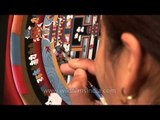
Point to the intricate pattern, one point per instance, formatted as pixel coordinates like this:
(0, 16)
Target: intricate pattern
(40, 44)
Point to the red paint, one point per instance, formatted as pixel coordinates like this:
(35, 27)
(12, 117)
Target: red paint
(19, 79)
(11, 96)
(38, 51)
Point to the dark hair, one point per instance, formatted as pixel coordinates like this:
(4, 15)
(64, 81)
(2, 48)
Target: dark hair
(145, 27)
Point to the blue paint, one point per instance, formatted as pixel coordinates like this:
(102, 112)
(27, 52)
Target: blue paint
(51, 72)
(15, 49)
(36, 72)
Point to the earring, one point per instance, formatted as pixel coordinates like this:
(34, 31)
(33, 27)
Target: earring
(126, 98)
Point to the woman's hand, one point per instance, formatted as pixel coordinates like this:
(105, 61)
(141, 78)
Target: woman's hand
(78, 90)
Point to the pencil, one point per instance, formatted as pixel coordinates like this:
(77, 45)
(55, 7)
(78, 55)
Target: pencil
(97, 94)
(94, 89)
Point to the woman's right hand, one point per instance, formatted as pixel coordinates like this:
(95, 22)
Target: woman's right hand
(78, 87)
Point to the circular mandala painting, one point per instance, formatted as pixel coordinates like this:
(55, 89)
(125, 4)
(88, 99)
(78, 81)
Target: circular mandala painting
(36, 47)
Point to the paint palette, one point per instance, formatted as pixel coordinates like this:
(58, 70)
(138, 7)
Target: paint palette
(39, 44)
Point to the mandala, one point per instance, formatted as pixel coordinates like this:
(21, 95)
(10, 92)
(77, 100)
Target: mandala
(36, 47)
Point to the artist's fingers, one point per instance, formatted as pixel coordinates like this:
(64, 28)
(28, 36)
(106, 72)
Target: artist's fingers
(78, 91)
(73, 64)
(85, 64)
(66, 69)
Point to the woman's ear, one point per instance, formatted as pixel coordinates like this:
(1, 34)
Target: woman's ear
(134, 63)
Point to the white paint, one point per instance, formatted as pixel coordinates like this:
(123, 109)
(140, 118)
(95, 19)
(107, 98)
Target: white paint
(79, 39)
(58, 44)
(91, 50)
(78, 29)
(29, 28)
(40, 80)
(82, 29)
(34, 62)
(40, 24)
(94, 19)
(67, 47)
(76, 36)
(69, 17)
(54, 99)
(32, 57)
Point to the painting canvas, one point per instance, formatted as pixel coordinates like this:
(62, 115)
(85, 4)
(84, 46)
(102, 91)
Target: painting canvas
(36, 46)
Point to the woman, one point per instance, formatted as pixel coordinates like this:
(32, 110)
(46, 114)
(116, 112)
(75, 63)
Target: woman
(128, 61)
